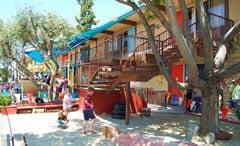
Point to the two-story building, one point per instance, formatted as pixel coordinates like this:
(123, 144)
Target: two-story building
(117, 52)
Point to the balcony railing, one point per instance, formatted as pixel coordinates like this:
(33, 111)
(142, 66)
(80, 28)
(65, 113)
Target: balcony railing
(113, 51)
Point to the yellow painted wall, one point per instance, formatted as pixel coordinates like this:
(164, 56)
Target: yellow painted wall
(141, 28)
(92, 49)
(234, 10)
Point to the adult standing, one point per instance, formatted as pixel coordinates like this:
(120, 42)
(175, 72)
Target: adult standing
(188, 96)
(197, 94)
(64, 84)
(67, 101)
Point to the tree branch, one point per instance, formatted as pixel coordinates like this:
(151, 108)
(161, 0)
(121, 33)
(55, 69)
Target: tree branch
(183, 44)
(33, 27)
(51, 57)
(222, 49)
(230, 71)
(231, 33)
(158, 14)
(185, 19)
(207, 38)
(25, 70)
(158, 57)
(23, 74)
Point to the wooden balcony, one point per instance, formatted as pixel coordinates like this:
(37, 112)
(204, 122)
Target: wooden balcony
(113, 53)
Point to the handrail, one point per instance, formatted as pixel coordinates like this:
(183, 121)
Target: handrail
(220, 17)
(163, 40)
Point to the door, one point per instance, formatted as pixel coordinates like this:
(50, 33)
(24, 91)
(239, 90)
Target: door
(131, 39)
(177, 75)
(179, 18)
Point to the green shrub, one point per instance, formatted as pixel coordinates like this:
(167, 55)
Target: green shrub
(5, 100)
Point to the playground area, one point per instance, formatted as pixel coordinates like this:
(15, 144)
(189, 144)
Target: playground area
(170, 129)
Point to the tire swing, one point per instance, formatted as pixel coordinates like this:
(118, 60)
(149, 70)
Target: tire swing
(118, 111)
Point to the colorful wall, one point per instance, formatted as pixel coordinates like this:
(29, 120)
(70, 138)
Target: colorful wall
(104, 103)
(177, 72)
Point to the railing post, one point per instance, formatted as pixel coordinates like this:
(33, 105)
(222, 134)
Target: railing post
(89, 74)
(135, 44)
(112, 48)
(161, 47)
(121, 50)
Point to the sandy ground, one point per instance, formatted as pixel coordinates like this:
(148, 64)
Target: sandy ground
(40, 129)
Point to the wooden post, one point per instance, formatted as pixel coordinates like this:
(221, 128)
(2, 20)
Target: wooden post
(127, 95)
(112, 48)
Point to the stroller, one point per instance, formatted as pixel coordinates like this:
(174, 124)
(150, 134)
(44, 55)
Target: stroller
(198, 105)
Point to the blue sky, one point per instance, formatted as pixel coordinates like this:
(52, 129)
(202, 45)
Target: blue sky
(104, 9)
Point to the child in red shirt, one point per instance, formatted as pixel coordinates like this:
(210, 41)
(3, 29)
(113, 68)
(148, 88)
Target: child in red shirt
(88, 110)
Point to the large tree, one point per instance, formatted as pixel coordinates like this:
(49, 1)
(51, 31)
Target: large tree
(4, 74)
(86, 17)
(213, 71)
(44, 33)
(11, 50)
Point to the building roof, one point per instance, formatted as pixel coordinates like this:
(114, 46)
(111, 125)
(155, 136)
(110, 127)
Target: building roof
(85, 36)
(81, 38)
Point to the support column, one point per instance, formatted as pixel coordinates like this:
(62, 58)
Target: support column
(127, 98)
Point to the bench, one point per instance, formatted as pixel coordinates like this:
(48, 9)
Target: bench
(52, 106)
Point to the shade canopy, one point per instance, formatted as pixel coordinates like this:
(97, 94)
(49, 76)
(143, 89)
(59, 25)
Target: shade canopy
(81, 38)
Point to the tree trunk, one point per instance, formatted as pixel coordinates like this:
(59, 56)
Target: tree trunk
(50, 87)
(210, 107)
(51, 84)
(54, 72)
(127, 95)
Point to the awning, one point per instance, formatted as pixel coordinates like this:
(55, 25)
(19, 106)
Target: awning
(83, 37)
(35, 55)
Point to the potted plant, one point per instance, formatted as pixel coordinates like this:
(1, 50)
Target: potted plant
(5, 101)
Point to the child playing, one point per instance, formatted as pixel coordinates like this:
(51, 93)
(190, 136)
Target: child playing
(88, 111)
(67, 105)
(62, 119)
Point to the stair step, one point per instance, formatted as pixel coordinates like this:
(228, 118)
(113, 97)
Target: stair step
(107, 86)
(111, 73)
(101, 82)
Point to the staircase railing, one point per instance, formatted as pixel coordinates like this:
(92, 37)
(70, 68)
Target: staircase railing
(113, 51)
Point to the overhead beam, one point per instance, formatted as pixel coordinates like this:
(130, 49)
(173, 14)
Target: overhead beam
(129, 22)
(107, 32)
(93, 39)
(83, 44)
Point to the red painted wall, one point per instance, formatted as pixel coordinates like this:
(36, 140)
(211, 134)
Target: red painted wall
(177, 75)
(64, 58)
(104, 103)
(179, 18)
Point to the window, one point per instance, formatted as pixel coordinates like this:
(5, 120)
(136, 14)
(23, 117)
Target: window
(124, 41)
(78, 57)
(85, 55)
(108, 45)
(117, 46)
(217, 7)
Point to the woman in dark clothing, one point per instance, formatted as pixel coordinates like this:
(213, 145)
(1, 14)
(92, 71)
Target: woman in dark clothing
(188, 96)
